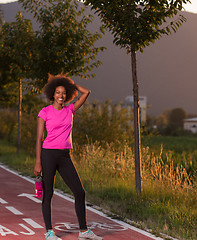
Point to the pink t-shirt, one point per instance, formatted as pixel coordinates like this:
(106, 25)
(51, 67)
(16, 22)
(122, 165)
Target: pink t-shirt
(58, 124)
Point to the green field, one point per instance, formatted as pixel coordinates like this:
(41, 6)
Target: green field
(176, 144)
(168, 201)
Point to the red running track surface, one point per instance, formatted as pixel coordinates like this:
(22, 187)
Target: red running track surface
(21, 215)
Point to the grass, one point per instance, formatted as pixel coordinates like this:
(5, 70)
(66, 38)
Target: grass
(168, 201)
(23, 162)
(176, 144)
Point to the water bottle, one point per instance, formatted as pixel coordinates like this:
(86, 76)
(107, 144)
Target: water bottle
(38, 186)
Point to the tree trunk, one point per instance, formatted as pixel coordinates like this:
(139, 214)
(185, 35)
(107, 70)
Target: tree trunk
(136, 123)
(19, 115)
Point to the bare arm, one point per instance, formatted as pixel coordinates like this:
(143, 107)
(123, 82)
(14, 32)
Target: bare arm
(84, 95)
(39, 140)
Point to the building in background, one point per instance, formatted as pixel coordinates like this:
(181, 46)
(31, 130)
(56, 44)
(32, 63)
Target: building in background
(190, 124)
(129, 102)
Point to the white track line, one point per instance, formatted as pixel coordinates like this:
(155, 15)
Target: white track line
(3, 201)
(14, 210)
(32, 223)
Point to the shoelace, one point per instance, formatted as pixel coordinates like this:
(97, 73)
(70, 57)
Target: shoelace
(88, 231)
(50, 234)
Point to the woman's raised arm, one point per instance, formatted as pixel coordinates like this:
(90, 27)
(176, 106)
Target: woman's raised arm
(84, 95)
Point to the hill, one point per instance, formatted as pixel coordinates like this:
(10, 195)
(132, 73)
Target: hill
(167, 70)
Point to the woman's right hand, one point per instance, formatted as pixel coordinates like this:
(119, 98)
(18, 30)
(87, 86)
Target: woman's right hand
(38, 169)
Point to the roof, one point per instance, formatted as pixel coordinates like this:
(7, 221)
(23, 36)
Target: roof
(190, 120)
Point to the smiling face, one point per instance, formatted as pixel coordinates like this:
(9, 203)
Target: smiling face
(59, 95)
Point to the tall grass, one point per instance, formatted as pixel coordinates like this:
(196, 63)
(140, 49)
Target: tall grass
(168, 200)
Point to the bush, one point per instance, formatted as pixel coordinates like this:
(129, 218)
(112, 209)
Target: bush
(8, 123)
(103, 123)
(28, 132)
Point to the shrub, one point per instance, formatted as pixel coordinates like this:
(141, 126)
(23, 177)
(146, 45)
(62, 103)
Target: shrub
(103, 123)
(8, 122)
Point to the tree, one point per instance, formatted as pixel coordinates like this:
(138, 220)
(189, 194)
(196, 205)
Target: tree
(177, 115)
(161, 122)
(135, 24)
(64, 43)
(16, 51)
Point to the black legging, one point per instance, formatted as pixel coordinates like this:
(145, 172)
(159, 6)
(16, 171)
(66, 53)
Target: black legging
(56, 159)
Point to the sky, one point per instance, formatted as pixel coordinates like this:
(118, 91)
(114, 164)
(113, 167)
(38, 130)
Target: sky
(188, 7)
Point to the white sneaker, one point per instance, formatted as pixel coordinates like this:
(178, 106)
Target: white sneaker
(88, 235)
(50, 235)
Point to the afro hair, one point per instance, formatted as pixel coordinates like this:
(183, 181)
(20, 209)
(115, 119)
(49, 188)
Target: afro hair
(60, 80)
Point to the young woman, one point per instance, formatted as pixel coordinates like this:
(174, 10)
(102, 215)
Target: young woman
(53, 153)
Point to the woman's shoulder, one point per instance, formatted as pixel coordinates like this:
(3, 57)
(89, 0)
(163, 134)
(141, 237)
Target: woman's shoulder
(70, 107)
(44, 112)
(47, 108)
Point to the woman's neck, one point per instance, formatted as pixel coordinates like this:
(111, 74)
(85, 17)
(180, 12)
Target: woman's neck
(57, 106)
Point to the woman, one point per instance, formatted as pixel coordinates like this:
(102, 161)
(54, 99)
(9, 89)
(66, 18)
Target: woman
(53, 153)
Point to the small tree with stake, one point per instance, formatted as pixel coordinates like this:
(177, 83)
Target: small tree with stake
(135, 24)
(16, 50)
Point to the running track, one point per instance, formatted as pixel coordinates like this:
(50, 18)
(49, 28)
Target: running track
(21, 217)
